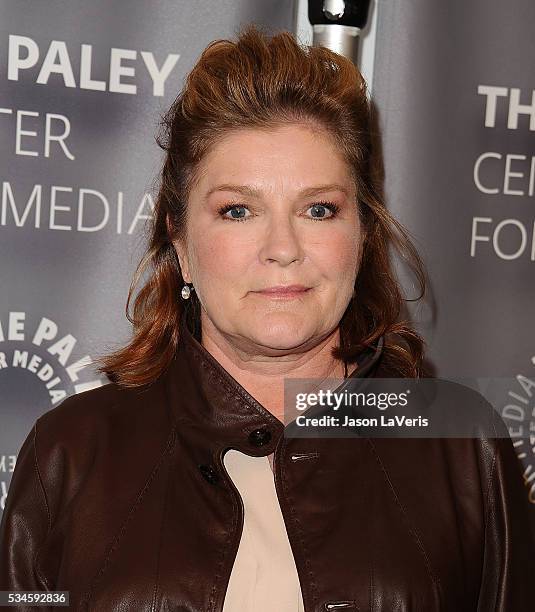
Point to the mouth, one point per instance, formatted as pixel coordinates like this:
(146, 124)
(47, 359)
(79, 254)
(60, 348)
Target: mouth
(284, 292)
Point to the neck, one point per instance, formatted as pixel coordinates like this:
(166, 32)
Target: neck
(263, 375)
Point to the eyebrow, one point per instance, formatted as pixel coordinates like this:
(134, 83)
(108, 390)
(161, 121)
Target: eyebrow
(253, 192)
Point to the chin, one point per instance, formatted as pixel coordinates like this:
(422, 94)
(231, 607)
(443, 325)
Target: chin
(281, 330)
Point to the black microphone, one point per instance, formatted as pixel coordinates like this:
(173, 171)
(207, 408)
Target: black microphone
(336, 24)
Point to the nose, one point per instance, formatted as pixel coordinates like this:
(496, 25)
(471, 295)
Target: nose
(281, 242)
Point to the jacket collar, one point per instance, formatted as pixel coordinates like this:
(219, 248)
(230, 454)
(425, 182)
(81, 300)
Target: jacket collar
(203, 395)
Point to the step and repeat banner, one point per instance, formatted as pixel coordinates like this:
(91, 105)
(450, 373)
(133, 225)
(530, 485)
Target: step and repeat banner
(82, 88)
(454, 90)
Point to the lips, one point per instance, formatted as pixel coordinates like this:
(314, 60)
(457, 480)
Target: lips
(283, 292)
(284, 289)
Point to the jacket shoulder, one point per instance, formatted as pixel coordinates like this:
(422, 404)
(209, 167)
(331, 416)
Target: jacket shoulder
(80, 417)
(71, 452)
(95, 434)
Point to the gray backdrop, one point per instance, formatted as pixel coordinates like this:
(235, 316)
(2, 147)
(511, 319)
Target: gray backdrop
(453, 84)
(74, 205)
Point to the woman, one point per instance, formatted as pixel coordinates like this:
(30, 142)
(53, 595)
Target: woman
(268, 261)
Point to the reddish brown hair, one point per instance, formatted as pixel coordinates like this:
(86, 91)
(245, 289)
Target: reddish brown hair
(261, 81)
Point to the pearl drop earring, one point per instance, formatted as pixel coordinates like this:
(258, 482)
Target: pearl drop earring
(186, 291)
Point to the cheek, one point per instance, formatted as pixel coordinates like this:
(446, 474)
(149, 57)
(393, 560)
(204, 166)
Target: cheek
(336, 253)
(218, 259)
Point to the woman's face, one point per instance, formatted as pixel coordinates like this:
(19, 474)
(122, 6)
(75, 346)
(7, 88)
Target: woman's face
(279, 228)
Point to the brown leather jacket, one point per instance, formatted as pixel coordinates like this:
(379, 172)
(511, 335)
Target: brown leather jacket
(121, 497)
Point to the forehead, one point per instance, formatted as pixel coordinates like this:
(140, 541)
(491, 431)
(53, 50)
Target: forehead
(286, 156)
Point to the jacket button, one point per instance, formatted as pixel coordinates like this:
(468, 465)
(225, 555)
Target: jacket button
(209, 473)
(259, 437)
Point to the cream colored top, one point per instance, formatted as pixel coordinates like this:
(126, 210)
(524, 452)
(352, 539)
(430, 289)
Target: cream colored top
(264, 577)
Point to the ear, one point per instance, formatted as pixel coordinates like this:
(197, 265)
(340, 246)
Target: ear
(181, 252)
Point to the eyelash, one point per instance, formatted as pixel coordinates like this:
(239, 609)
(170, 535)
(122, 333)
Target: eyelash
(334, 208)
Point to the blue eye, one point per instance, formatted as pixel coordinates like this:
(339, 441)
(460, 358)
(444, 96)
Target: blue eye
(231, 208)
(317, 207)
